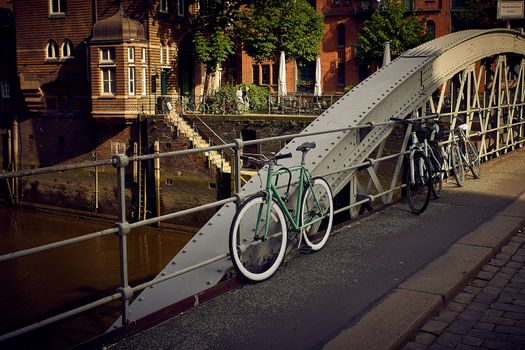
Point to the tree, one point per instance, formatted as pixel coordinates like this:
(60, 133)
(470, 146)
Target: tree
(389, 23)
(478, 14)
(215, 37)
(268, 27)
(292, 26)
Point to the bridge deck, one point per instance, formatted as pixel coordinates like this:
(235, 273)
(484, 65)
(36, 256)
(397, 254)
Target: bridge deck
(314, 297)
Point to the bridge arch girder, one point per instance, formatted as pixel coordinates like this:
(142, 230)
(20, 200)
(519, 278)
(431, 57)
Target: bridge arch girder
(403, 87)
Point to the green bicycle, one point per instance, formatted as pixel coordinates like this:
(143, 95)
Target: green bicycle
(259, 230)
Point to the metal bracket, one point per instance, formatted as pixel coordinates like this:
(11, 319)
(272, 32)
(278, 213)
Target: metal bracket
(123, 228)
(120, 161)
(126, 293)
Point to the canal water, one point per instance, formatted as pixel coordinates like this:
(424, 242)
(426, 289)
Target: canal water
(39, 286)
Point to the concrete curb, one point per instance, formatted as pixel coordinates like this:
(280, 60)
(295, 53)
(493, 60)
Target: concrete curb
(391, 323)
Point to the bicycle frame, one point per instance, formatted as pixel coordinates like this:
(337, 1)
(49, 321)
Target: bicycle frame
(273, 194)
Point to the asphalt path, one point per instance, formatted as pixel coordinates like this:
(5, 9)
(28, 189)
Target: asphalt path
(313, 297)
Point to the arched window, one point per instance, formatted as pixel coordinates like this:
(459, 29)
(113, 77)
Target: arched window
(67, 49)
(51, 50)
(341, 35)
(431, 29)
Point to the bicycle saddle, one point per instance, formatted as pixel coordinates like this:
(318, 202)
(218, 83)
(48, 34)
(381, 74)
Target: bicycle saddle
(305, 147)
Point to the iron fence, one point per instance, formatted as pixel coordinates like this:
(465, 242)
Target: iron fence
(123, 228)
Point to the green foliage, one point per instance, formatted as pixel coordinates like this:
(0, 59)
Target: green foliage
(225, 99)
(478, 14)
(348, 88)
(390, 23)
(213, 49)
(268, 27)
(215, 35)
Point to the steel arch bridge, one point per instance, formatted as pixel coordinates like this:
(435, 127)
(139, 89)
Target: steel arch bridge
(474, 76)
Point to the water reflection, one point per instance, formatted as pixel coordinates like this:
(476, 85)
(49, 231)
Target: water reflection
(41, 285)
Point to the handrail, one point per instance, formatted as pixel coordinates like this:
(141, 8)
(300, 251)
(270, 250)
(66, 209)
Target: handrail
(123, 228)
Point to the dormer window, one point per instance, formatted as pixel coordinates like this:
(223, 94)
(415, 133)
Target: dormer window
(107, 55)
(57, 7)
(67, 49)
(51, 50)
(163, 6)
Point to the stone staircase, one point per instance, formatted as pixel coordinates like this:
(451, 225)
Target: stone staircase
(215, 158)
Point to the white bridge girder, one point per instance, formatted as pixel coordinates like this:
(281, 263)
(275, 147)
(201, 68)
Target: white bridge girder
(399, 89)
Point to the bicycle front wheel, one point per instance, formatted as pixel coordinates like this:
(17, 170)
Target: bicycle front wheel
(473, 158)
(418, 191)
(317, 213)
(457, 165)
(256, 253)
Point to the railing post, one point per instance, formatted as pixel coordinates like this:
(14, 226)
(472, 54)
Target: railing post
(237, 164)
(120, 162)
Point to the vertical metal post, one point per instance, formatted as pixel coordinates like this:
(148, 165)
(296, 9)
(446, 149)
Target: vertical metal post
(120, 162)
(156, 166)
(237, 164)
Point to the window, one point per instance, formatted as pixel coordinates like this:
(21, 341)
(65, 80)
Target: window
(341, 68)
(144, 86)
(164, 55)
(265, 68)
(341, 37)
(305, 76)
(67, 49)
(131, 54)
(107, 55)
(336, 2)
(51, 50)
(57, 7)
(275, 74)
(163, 6)
(143, 55)
(180, 8)
(431, 29)
(5, 90)
(131, 81)
(255, 74)
(108, 81)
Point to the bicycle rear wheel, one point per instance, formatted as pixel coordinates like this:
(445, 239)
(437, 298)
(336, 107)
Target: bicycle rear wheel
(473, 157)
(418, 192)
(254, 255)
(317, 203)
(457, 165)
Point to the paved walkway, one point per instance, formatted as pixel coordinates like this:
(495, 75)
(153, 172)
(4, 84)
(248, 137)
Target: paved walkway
(375, 283)
(489, 313)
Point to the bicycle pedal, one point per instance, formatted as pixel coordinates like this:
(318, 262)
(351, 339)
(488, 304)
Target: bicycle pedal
(306, 250)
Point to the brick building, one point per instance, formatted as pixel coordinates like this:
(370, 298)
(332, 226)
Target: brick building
(89, 79)
(343, 20)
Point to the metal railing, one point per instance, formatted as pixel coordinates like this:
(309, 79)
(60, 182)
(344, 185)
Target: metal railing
(123, 228)
(293, 104)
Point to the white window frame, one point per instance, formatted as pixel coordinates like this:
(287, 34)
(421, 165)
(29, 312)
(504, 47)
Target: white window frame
(111, 81)
(110, 53)
(132, 79)
(131, 54)
(5, 89)
(180, 8)
(143, 55)
(163, 6)
(144, 81)
(66, 46)
(52, 10)
(51, 44)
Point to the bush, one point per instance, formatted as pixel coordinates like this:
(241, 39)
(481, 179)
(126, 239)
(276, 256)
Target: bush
(225, 99)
